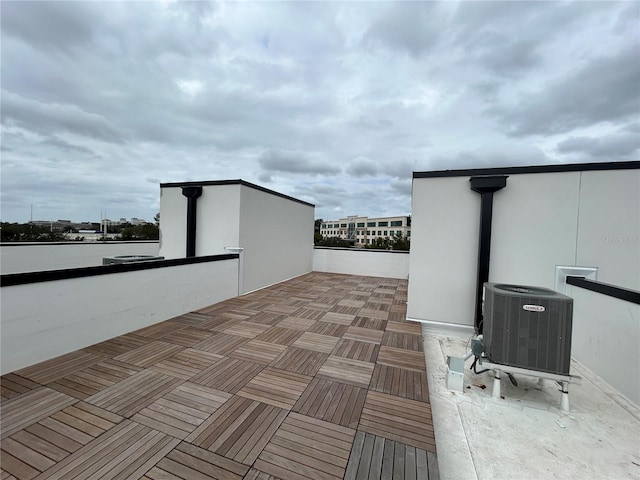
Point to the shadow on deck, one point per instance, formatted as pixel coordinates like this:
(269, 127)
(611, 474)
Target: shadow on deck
(317, 377)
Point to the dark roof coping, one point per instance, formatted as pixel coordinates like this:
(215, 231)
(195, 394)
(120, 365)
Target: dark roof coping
(234, 182)
(554, 168)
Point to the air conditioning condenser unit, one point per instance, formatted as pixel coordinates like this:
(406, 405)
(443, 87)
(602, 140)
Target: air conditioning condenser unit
(527, 327)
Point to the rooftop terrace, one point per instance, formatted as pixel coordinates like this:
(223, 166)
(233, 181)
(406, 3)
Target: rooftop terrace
(317, 377)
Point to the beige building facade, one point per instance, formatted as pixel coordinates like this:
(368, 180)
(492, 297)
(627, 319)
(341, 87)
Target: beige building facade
(364, 230)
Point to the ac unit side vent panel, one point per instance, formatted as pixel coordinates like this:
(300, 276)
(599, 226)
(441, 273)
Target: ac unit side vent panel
(527, 327)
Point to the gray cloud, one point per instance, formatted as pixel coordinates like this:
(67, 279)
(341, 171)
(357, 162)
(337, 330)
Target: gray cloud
(363, 167)
(51, 118)
(48, 25)
(296, 162)
(409, 27)
(606, 89)
(622, 145)
(63, 144)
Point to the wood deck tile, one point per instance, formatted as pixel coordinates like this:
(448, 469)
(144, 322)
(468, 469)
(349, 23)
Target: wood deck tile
(117, 346)
(332, 402)
(368, 322)
(281, 308)
(86, 418)
(246, 329)
(228, 374)
(30, 451)
(186, 363)
(339, 318)
(306, 448)
(325, 300)
(181, 411)
(254, 474)
(352, 303)
(221, 343)
(400, 382)
(404, 327)
(300, 360)
(149, 354)
(400, 419)
(193, 319)
(268, 318)
(347, 370)
(400, 358)
(59, 367)
(356, 350)
(276, 387)
(377, 314)
(311, 313)
(258, 352)
(406, 341)
(126, 451)
(332, 329)
(297, 323)
(94, 379)
(26, 409)
(280, 336)
(375, 457)
(12, 385)
(363, 335)
(188, 461)
(316, 342)
(239, 429)
(187, 336)
(345, 310)
(133, 394)
(217, 324)
(159, 330)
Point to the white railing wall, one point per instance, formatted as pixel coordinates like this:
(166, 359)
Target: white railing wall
(606, 336)
(42, 320)
(36, 257)
(352, 261)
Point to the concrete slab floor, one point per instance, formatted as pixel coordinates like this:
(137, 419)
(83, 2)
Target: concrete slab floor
(525, 434)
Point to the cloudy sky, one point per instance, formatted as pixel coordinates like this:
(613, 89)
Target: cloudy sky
(333, 103)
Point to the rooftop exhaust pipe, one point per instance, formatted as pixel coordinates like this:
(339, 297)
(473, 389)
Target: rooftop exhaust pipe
(192, 194)
(485, 186)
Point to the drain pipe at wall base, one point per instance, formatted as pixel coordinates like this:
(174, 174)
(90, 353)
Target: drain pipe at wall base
(192, 194)
(485, 186)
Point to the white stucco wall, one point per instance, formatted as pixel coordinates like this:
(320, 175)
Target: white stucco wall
(581, 218)
(218, 220)
(444, 250)
(373, 263)
(277, 236)
(275, 232)
(36, 257)
(43, 320)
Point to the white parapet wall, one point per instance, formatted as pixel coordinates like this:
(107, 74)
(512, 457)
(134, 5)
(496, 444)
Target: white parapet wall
(36, 257)
(572, 215)
(356, 261)
(274, 232)
(46, 319)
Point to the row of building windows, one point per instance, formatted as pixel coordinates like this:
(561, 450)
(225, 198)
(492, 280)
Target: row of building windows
(381, 233)
(396, 223)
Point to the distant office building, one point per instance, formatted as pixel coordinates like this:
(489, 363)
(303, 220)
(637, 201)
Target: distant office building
(364, 230)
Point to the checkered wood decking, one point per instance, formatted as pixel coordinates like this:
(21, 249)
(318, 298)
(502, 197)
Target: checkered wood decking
(319, 377)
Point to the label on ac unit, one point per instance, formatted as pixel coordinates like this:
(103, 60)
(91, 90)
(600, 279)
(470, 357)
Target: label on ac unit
(533, 308)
